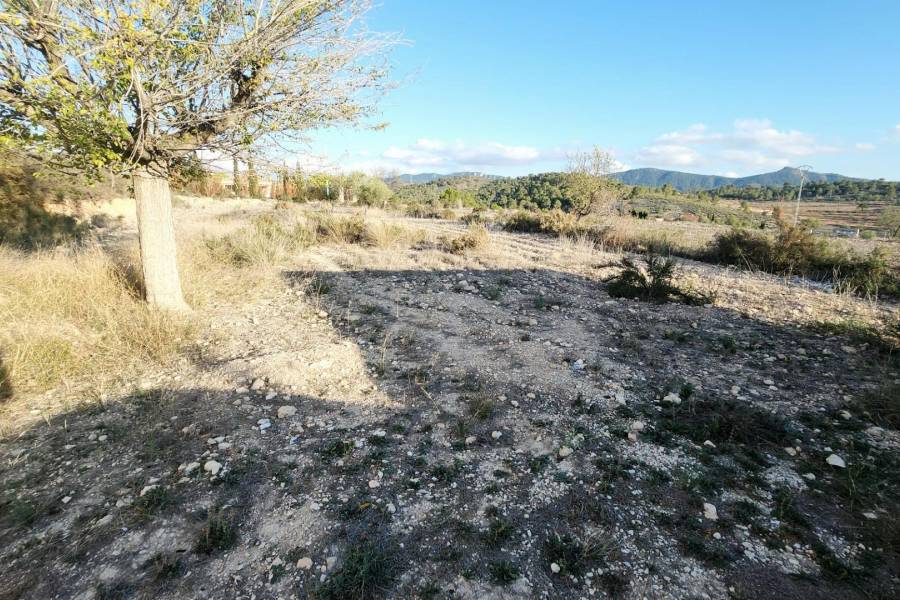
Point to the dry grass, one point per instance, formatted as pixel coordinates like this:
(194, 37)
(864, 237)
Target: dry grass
(76, 314)
(476, 237)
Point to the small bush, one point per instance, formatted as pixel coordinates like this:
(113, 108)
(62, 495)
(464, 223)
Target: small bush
(503, 572)
(796, 250)
(218, 533)
(883, 405)
(554, 222)
(366, 572)
(653, 282)
(475, 238)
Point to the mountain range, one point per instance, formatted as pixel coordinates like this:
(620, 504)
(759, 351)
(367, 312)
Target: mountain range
(427, 177)
(688, 182)
(684, 182)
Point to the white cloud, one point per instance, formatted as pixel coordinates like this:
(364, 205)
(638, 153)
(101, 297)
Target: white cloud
(695, 134)
(436, 154)
(755, 143)
(864, 146)
(896, 130)
(670, 155)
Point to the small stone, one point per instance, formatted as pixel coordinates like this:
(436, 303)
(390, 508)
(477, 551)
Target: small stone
(287, 411)
(304, 563)
(257, 384)
(190, 468)
(322, 314)
(638, 426)
(709, 512)
(717, 536)
(330, 561)
(870, 515)
(672, 398)
(147, 489)
(471, 440)
(212, 466)
(835, 461)
(496, 435)
(554, 567)
(66, 499)
(791, 451)
(102, 438)
(709, 444)
(809, 476)
(875, 431)
(565, 451)
(845, 415)
(264, 424)
(374, 483)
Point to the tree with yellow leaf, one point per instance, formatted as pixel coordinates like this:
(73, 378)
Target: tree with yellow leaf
(143, 87)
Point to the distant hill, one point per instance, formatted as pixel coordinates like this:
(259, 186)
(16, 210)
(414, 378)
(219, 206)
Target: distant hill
(428, 177)
(687, 182)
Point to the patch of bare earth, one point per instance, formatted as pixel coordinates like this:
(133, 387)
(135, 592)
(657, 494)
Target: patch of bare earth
(411, 422)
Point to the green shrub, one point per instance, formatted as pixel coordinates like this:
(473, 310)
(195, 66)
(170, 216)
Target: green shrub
(796, 250)
(653, 282)
(555, 222)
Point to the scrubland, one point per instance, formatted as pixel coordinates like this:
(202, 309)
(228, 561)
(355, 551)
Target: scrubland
(365, 403)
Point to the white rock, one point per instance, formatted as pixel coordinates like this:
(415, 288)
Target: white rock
(870, 515)
(554, 567)
(471, 440)
(66, 499)
(709, 512)
(672, 398)
(809, 476)
(875, 431)
(330, 561)
(191, 467)
(212, 466)
(845, 415)
(835, 461)
(565, 451)
(791, 451)
(147, 489)
(304, 563)
(709, 444)
(287, 411)
(496, 435)
(264, 424)
(374, 483)
(638, 426)
(257, 384)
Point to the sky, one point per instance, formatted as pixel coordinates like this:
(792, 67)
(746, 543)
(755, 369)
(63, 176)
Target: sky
(511, 87)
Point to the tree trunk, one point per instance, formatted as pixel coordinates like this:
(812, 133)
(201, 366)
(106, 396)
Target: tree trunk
(156, 232)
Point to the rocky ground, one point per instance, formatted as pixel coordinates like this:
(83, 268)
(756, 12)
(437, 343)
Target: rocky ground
(414, 423)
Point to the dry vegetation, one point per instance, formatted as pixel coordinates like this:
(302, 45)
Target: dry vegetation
(351, 388)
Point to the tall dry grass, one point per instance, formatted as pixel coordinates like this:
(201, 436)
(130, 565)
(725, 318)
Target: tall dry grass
(67, 315)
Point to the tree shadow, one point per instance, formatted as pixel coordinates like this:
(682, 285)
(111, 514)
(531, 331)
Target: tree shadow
(490, 374)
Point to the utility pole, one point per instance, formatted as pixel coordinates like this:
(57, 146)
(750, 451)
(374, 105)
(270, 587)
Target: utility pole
(804, 169)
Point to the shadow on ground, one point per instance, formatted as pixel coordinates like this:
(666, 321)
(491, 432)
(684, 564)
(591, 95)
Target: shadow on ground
(510, 447)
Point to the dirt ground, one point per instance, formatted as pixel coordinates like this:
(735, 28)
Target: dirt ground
(407, 422)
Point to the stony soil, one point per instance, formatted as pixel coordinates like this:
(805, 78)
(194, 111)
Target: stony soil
(410, 423)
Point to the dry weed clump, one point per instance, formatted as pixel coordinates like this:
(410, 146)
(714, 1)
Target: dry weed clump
(76, 314)
(476, 237)
(270, 240)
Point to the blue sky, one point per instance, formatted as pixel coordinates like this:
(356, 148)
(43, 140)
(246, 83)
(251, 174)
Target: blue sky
(511, 87)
